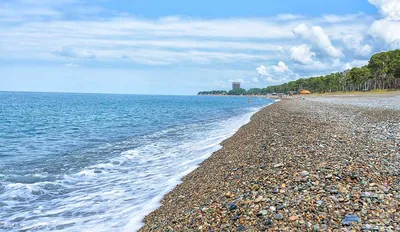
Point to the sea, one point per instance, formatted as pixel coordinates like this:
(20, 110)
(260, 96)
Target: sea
(101, 162)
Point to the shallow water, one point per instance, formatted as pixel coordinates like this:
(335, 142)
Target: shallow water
(98, 162)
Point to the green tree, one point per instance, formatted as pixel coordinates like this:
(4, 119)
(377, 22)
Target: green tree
(239, 91)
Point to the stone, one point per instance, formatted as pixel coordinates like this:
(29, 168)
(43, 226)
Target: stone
(304, 173)
(232, 206)
(262, 213)
(229, 194)
(278, 216)
(280, 207)
(278, 165)
(334, 199)
(366, 227)
(350, 219)
(268, 222)
(259, 199)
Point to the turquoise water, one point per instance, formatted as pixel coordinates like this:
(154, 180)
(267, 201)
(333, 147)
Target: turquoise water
(101, 162)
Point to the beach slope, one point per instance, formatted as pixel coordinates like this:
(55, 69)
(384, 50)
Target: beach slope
(298, 165)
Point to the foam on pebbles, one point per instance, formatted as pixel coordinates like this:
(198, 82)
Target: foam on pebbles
(299, 165)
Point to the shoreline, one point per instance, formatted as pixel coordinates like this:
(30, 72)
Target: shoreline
(296, 164)
(136, 223)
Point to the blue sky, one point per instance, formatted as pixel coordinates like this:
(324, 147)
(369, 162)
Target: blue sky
(182, 47)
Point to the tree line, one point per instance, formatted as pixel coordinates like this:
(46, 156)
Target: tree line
(239, 91)
(381, 72)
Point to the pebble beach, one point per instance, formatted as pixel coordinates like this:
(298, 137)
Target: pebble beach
(321, 164)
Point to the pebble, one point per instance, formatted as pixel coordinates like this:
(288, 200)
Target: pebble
(350, 219)
(304, 173)
(280, 207)
(229, 194)
(334, 199)
(278, 165)
(264, 212)
(278, 216)
(232, 206)
(366, 227)
(256, 187)
(268, 223)
(355, 171)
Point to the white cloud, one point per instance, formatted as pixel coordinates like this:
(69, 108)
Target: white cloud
(262, 70)
(355, 63)
(45, 32)
(354, 42)
(255, 80)
(281, 67)
(317, 36)
(328, 66)
(280, 49)
(332, 18)
(390, 9)
(289, 17)
(302, 54)
(74, 53)
(347, 66)
(276, 73)
(388, 28)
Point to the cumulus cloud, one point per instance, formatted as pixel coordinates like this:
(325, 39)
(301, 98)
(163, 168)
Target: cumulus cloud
(302, 54)
(276, 73)
(355, 63)
(281, 67)
(317, 36)
(117, 37)
(387, 28)
(262, 70)
(74, 53)
(390, 9)
(388, 31)
(354, 43)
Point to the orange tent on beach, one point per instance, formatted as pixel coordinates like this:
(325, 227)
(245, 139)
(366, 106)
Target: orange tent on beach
(305, 92)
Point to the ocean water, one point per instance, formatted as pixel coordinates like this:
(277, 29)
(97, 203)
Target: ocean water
(101, 162)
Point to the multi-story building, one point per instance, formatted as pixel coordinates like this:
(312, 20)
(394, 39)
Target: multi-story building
(235, 85)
